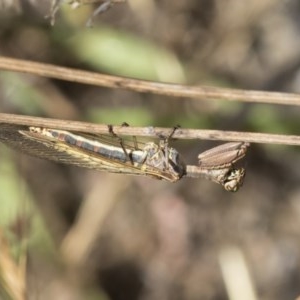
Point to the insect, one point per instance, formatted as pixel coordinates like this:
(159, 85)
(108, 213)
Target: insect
(217, 164)
(94, 152)
(104, 153)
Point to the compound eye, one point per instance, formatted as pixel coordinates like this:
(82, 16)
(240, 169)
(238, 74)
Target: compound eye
(234, 180)
(231, 186)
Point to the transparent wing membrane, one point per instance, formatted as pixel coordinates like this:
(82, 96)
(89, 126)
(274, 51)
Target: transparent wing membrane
(112, 154)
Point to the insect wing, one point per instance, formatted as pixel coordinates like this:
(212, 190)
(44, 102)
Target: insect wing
(34, 144)
(38, 145)
(222, 156)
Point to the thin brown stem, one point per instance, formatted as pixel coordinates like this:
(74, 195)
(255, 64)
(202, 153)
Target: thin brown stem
(143, 86)
(153, 132)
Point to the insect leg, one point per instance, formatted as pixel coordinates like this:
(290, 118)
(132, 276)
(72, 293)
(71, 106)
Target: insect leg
(111, 131)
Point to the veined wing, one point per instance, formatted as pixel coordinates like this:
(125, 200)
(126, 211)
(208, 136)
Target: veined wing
(217, 164)
(50, 148)
(223, 156)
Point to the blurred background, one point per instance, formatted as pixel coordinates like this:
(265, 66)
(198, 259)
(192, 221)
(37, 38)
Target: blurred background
(93, 235)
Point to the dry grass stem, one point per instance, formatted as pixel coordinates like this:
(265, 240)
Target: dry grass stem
(12, 276)
(167, 89)
(153, 132)
(80, 239)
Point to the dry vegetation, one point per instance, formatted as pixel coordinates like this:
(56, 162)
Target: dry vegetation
(102, 236)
